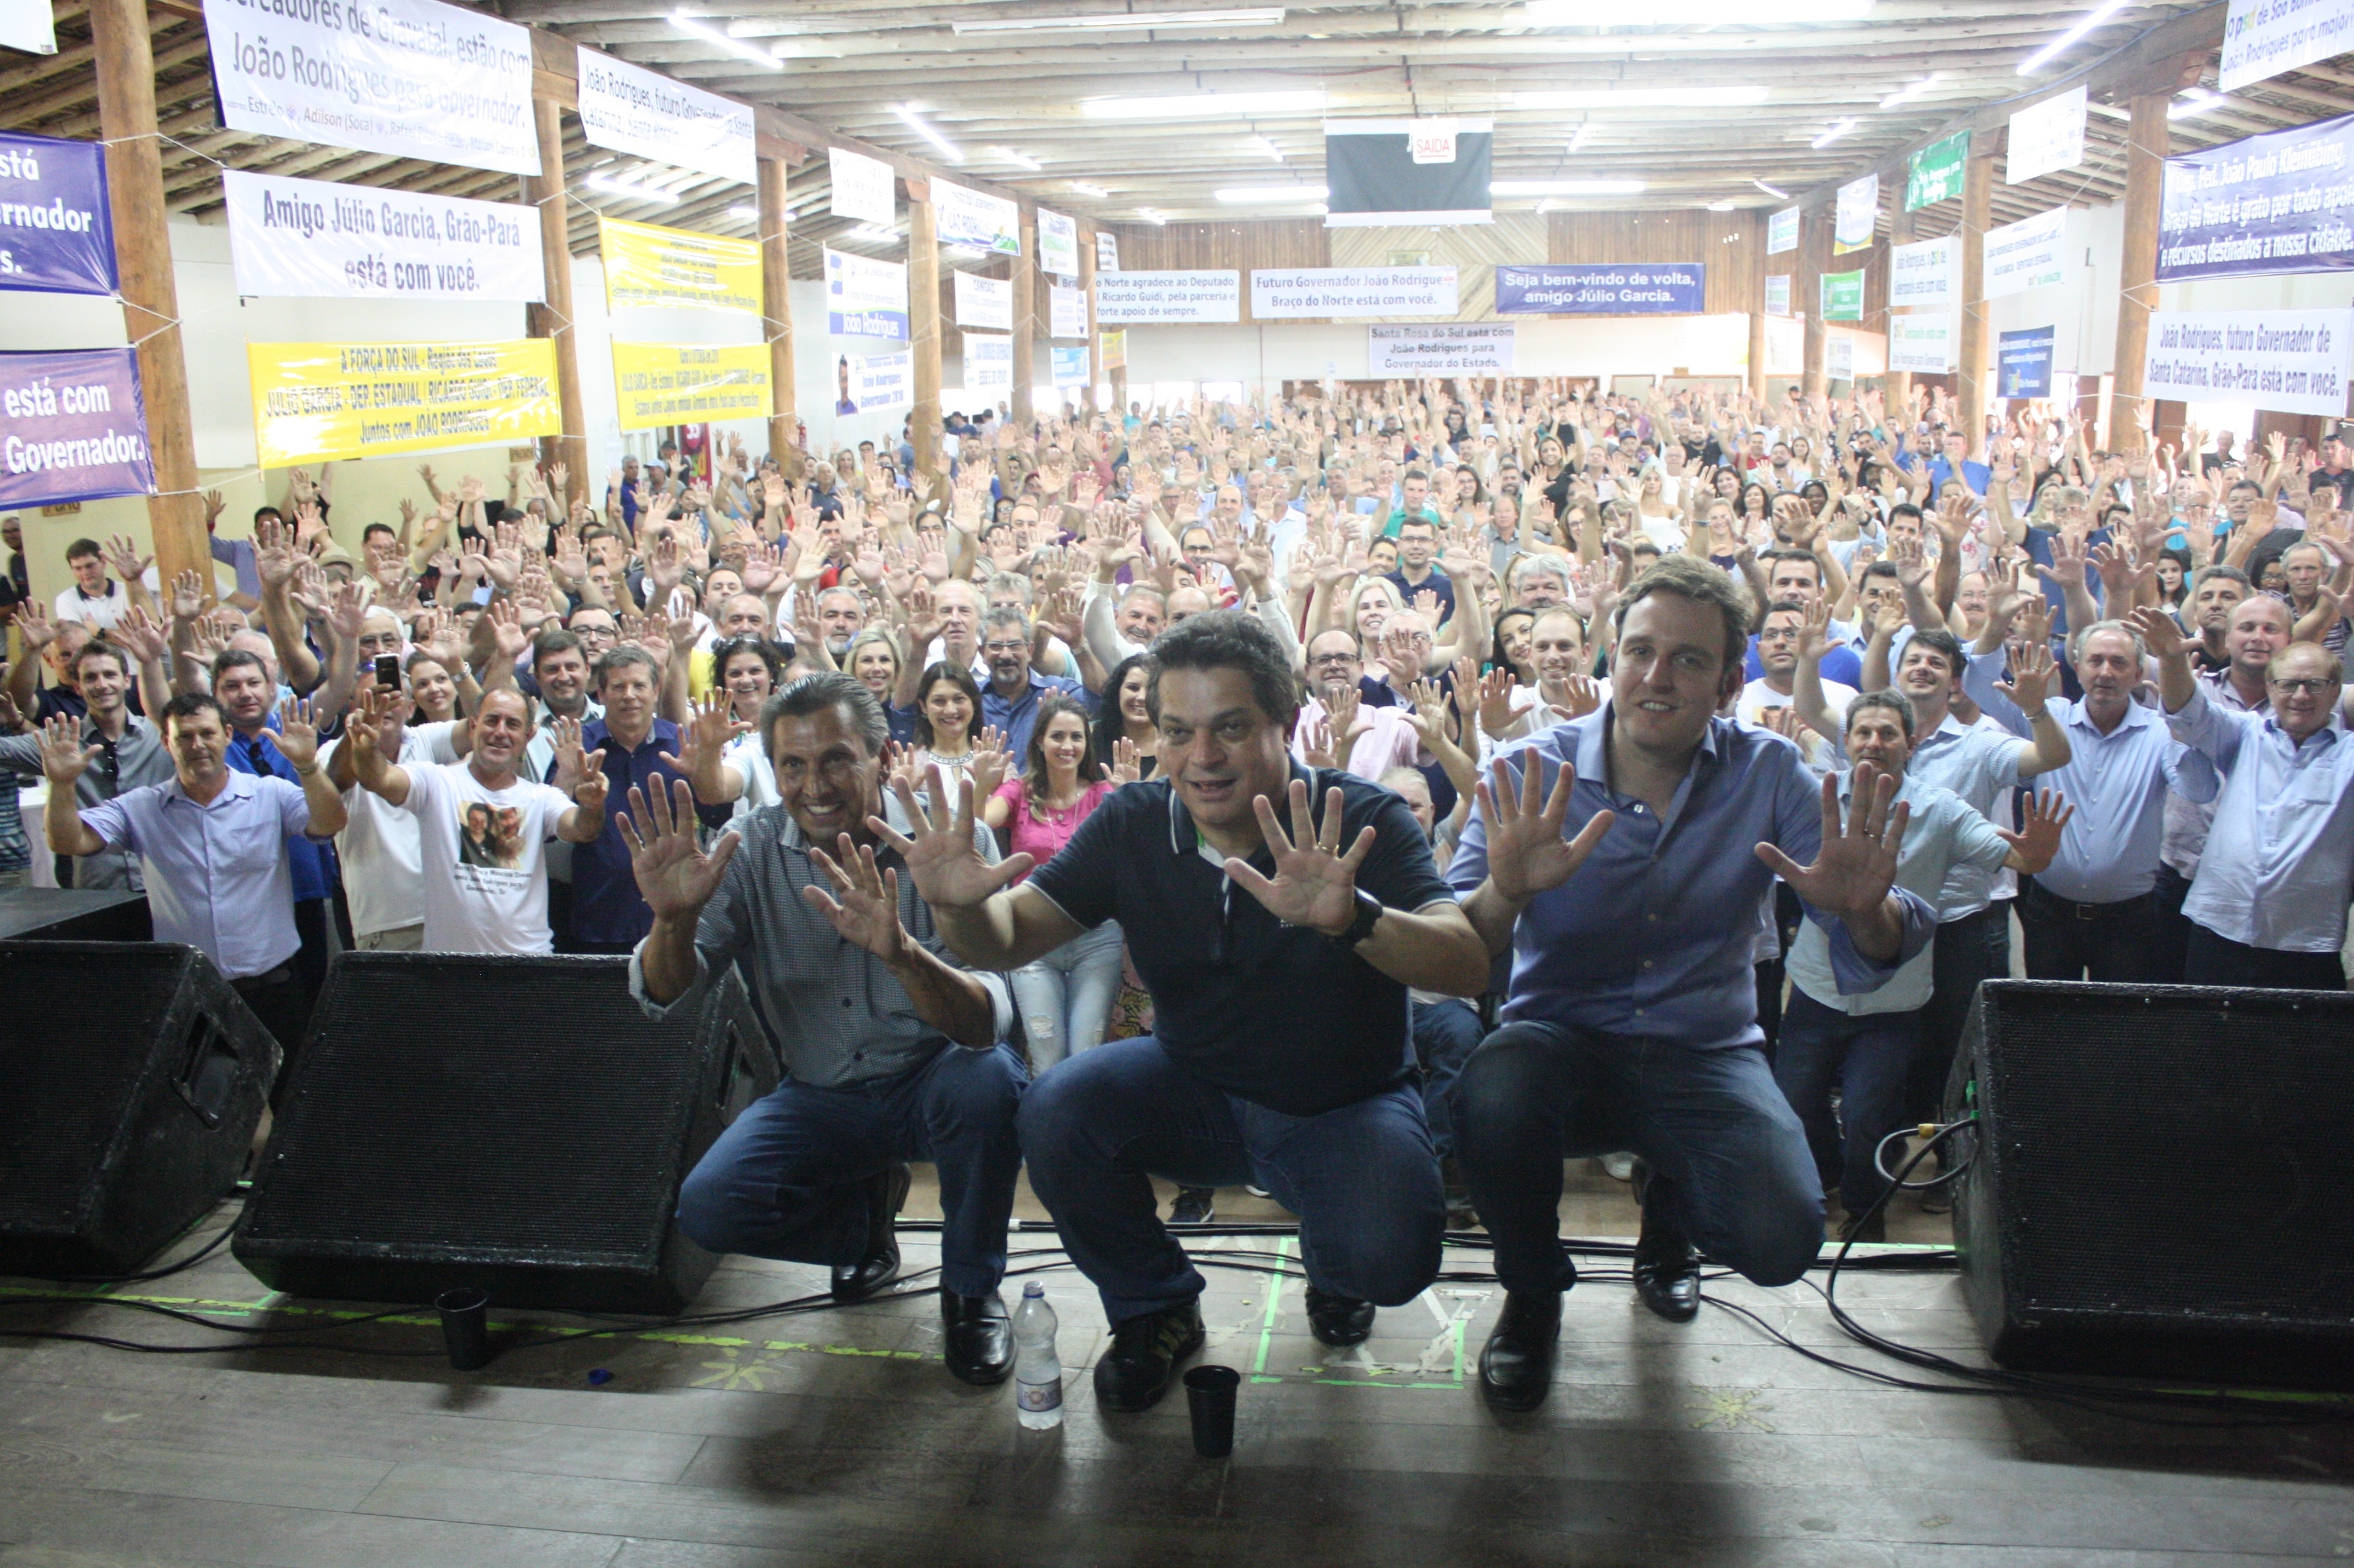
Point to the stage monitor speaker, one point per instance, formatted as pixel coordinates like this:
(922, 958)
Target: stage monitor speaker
(514, 1125)
(74, 914)
(133, 1079)
(2159, 1184)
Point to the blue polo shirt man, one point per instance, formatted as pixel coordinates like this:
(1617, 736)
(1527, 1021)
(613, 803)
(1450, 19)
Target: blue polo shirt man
(1010, 700)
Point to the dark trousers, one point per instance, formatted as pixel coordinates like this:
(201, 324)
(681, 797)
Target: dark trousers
(2172, 941)
(2066, 940)
(314, 922)
(1360, 1177)
(1446, 1033)
(1865, 1056)
(1771, 974)
(1973, 948)
(279, 1000)
(1729, 1162)
(786, 1181)
(2218, 960)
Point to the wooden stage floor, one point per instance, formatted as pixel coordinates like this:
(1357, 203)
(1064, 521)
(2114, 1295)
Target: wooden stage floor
(836, 1438)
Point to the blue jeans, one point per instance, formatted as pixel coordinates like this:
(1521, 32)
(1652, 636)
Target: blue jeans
(1361, 1178)
(1446, 1033)
(1867, 1055)
(1729, 1160)
(785, 1180)
(1065, 998)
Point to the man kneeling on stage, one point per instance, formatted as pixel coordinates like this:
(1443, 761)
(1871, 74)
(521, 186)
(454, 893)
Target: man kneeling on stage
(1632, 1018)
(893, 1053)
(1279, 966)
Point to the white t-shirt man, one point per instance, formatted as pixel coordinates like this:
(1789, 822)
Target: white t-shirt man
(484, 859)
(380, 849)
(1757, 696)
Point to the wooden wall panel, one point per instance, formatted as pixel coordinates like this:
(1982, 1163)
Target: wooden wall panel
(1472, 249)
(1217, 247)
(1730, 245)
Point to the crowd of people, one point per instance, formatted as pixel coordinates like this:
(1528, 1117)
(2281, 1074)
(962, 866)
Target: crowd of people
(1373, 797)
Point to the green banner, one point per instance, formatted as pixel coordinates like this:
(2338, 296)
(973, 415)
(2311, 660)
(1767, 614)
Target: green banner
(1937, 172)
(1842, 298)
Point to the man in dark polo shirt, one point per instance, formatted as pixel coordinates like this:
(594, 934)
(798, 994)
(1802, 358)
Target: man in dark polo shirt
(1278, 963)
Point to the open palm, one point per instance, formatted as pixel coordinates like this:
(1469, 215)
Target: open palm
(675, 875)
(1527, 854)
(941, 856)
(1314, 883)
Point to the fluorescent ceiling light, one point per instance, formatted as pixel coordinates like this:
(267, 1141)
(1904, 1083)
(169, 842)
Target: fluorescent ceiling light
(923, 128)
(1266, 148)
(1234, 195)
(2110, 110)
(1086, 189)
(1564, 187)
(1774, 191)
(2092, 19)
(1720, 207)
(620, 187)
(1692, 12)
(1640, 98)
(867, 234)
(1150, 216)
(1021, 160)
(1905, 95)
(1129, 21)
(743, 212)
(2195, 100)
(1578, 139)
(1837, 131)
(742, 48)
(1203, 105)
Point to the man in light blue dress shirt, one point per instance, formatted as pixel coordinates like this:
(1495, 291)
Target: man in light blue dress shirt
(1631, 1021)
(2268, 906)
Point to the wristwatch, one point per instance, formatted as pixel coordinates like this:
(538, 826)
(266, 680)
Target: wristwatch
(1369, 915)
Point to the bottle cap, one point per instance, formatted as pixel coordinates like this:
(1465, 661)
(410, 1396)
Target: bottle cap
(1034, 1288)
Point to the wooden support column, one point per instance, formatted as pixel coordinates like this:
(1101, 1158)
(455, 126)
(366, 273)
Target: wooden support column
(553, 318)
(1897, 386)
(777, 305)
(1757, 344)
(924, 323)
(2147, 141)
(1815, 229)
(1025, 323)
(151, 301)
(1971, 356)
(1096, 374)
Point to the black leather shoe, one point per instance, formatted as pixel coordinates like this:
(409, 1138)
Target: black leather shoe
(1339, 1321)
(1667, 1272)
(1142, 1360)
(885, 1195)
(980, 1337)
(1874, 1229)
(1516, 1368)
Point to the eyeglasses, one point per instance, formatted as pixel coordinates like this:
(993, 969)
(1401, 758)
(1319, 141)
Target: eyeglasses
(1003, 647)
(2311, 686)
(1332, 660)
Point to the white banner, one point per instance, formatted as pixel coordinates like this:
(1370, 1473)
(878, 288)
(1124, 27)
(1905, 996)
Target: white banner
(1859, 213)
(648, 115)
(1310, 291)
(1839, 356)
(1066, 311)
(27, 24)
(1058, 243)
(861, 188)
(1168, 297)
(1782, 231)
(1106, 250)
(1923, 341)
(863, 297)
(412, 77)
(983, 302)
(2289, 361)
(1785, 346)
(864, 383)
(2028, 254)
(2046, 139)
(2265, 38)
(1481, 349)
(1928, 273)
(983, 222)
(317, 239)
(1777, 294)
(988, 362)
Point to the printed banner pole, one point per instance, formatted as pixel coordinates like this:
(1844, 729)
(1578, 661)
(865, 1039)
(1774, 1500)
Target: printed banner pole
(552, 319)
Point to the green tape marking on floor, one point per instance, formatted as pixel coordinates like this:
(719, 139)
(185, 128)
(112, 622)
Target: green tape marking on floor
(1275, 1283)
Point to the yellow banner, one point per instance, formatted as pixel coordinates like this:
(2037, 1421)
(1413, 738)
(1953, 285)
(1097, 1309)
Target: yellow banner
(674, 269)
(314, 401)
(690, 384)
(1115, 350)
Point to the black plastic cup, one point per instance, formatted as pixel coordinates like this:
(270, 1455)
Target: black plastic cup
(1210, 1397)
(466, 1327)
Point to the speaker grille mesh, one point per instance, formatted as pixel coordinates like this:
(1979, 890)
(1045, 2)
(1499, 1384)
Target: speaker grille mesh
(484, 1107)
(2176, 1152)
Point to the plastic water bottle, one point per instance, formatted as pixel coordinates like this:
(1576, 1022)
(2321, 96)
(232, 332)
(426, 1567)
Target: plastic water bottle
(1037, 1370)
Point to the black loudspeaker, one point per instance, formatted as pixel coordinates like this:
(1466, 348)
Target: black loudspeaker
(74, 914)
(134, 1076)
(2160, 1184)
(517, 1126)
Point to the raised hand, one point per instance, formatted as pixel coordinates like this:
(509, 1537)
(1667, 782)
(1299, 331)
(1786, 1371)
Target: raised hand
(138, 633)
(1127, 764)
(2033, 671)
(864, 905)
(2159, 633)
(988, 768)
(675, 876)
(63, 756)
(1526, 852)
(1315, 884)
(1857, 864)
(298, 733)
(2045, 813)
(948, 870)
(187, 595)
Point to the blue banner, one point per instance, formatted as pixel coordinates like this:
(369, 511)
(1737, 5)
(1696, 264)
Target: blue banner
(75, 428)
(2281, 202)
(1602, 288)
(57, 231)
(2023, 363)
